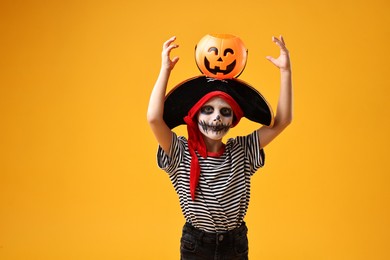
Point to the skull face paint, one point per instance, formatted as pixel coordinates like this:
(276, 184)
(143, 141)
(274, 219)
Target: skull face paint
(217, 128)
(215, 118)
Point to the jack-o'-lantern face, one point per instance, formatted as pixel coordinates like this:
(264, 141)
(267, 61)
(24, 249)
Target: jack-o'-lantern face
(221, 56)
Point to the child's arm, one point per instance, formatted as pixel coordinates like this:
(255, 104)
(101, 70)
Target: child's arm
(284, 109)
(156, 103)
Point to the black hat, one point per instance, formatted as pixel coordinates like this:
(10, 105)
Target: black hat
(187, 93)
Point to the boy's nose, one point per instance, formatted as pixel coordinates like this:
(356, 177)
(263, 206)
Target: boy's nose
(217, 118)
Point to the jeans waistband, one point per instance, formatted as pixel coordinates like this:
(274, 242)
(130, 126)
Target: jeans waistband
(217, 237)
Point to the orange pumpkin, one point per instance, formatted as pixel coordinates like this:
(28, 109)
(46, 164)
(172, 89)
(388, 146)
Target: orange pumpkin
(221, 56)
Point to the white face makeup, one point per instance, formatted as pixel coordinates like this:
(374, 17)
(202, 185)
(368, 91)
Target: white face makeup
(215, 118)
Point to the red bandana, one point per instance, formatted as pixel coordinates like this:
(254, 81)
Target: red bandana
(195, 139)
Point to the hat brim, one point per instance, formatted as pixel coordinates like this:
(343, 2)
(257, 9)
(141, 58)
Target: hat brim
(185, 95)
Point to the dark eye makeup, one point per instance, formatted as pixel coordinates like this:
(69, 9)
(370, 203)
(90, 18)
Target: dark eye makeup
(226, 112)
(208, 110)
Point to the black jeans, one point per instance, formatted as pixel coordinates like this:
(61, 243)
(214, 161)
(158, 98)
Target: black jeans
(196, 244)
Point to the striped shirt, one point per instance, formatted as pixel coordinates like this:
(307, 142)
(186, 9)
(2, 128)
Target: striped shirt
(222, 196)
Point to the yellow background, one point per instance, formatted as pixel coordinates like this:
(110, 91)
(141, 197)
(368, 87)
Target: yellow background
(78, 174)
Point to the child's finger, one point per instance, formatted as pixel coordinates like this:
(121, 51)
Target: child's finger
(169, 41)
(175, 60)
(280, 43)
(271, 59)
(276, 40)
(282, 39)
(170, 47)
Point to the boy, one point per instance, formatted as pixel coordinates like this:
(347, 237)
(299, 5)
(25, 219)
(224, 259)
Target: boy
(212, 179)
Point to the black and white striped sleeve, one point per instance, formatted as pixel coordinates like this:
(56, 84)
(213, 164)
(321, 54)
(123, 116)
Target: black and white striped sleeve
(171, 162)
(253, 153)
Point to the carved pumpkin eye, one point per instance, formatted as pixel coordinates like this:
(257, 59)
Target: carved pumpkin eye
(213, 49)
(221, 56)
(228, 51)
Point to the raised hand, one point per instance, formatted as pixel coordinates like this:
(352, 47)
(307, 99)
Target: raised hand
(283, 61)
(167, 62)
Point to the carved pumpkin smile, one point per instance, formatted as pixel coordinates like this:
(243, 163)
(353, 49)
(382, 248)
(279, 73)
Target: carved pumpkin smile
(217, 69)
